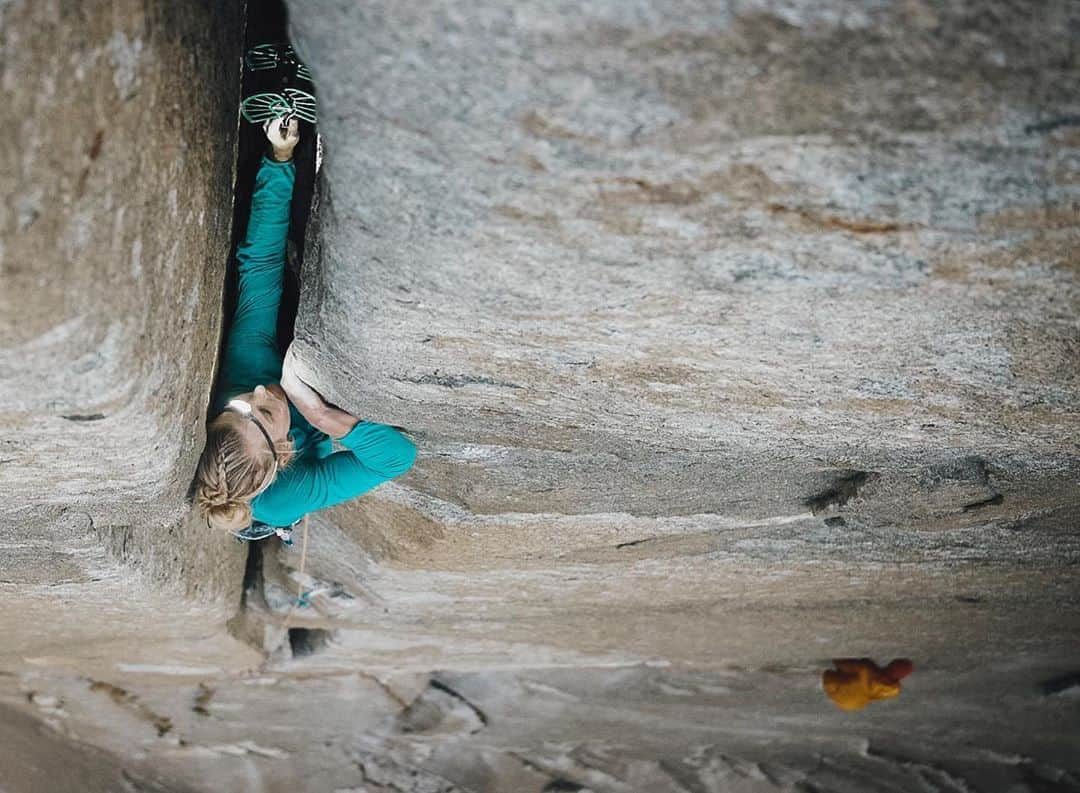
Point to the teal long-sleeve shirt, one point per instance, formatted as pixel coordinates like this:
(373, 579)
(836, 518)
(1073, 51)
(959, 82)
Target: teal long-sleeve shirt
(318, 477)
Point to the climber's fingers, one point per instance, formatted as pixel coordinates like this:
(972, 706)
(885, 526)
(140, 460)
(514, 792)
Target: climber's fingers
(283, 132)
(300, 393)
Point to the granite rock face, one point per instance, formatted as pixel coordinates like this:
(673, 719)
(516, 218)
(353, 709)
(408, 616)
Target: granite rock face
(629, 275)
(734, 336)
(703, 259)
(115, 226)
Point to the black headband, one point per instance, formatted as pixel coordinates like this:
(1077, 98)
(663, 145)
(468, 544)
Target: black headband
(249, 414)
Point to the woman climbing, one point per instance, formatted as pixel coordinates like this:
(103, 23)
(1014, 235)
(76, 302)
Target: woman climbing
(269, 457)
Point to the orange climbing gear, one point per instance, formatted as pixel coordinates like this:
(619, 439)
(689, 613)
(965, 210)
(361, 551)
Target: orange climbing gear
(856, 682)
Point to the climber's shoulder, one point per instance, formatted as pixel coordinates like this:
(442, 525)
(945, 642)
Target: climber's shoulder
(285, 501)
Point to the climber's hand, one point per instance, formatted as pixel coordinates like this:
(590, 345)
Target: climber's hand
(332, 420)
(306, 398)
(283, 134)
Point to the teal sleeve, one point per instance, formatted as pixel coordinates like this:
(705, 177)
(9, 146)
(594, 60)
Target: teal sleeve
(376, 453)
(251, 355)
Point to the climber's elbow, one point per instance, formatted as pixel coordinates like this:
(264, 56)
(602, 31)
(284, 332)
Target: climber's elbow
(381, 449)
(403, 459)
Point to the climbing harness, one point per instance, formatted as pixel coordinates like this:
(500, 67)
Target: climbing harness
(260, 531)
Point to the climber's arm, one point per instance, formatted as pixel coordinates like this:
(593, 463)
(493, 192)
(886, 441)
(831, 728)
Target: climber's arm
(326, 418)
(376, 453)
(251, 356)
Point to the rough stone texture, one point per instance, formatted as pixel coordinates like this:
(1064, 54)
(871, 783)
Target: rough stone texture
(660, 285)
(735, 336)
(115, 224)
(688, 259)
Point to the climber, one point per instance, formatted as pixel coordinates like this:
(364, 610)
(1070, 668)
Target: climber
(269, 456)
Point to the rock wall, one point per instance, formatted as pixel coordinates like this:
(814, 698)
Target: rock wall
(735, 336)
(115, 223)
(684, 281)
(116, 185)
(699, 259)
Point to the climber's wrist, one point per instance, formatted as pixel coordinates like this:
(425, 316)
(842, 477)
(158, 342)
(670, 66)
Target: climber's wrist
(281, 155)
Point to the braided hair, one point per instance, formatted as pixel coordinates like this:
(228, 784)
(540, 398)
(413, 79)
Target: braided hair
(230, 475)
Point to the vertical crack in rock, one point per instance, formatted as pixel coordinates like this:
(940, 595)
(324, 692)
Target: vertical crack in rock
(266, 23)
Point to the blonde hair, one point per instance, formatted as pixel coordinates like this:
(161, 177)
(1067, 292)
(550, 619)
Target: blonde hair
(229, 476)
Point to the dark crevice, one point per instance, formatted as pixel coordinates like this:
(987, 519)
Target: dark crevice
(202, 699)
(439, 685)
(242, 626)
(266, 23)
(1052, 124)
(253, 578)
(308, 641)
(557, 784)
(561, 785)
(997, 498)
(844, 488)
(1061, 685)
